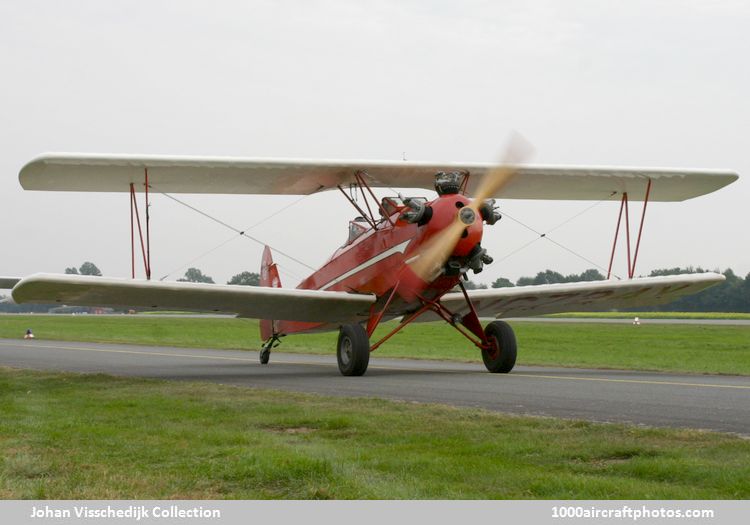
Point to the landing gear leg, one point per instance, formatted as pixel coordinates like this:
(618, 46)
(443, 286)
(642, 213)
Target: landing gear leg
(353, 350)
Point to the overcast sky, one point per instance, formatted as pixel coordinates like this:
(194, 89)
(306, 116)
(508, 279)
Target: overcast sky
(641, 83)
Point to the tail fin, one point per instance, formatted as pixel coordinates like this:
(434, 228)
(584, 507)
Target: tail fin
(269, 276)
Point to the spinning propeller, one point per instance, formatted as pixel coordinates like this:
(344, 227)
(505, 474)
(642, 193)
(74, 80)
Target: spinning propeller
(429, 262)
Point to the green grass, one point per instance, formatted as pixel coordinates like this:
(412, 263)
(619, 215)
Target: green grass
(735, 316)
(71, 436)
(676, 348)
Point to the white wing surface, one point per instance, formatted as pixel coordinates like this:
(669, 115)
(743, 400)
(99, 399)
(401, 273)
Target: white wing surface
(246, 301)
(6, 283)
(171, 174)
(529, 301)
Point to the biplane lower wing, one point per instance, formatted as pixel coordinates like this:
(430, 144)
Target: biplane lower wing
(245, 301)
(6, 283)
(529, 301)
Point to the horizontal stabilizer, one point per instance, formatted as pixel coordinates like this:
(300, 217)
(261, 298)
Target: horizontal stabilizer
(246, 301)
(529, 301)
(172, 174)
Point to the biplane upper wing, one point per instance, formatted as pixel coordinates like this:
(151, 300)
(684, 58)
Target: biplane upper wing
(6, 283)
(246, 301)
(529, 301)
(173, 174)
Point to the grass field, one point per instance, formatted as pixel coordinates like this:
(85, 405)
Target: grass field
(94, 436)
(655, 315)
(683, 348)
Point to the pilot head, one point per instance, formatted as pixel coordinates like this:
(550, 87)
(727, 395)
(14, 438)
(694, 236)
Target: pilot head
(448, 182)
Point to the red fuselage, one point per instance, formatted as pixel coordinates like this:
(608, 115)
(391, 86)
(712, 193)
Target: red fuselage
(375, 261)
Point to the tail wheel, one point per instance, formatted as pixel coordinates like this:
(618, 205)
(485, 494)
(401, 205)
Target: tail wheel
(501, 356)
(353, 350)
(265, 350)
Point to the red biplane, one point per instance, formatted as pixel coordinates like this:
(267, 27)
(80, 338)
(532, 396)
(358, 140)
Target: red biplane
(405, 258)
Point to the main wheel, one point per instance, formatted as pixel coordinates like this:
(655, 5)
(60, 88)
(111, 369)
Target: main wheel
(265, 355)
(501, 357)
(353, 350)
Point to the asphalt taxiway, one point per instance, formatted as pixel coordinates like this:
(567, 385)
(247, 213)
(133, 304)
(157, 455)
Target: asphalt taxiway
(711, 402)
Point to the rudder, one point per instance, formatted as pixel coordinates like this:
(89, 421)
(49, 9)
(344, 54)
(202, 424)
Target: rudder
(269, 276)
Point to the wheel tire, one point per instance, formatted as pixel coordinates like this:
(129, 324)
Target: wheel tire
(265, 355)
(353, 350)
(503, 358)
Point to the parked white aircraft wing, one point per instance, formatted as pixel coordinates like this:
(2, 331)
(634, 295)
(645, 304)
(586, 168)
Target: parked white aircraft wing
(528, 301)
(6, 283)
(246, 301)
(171, 174)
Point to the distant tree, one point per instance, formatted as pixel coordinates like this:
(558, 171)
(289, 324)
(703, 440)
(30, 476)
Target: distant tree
(591, 274)
(525, 281)
(744, 294)
(471, 285)
(549, 277)
(502, 282)
(676, 271)
(194, 275)
(89, 268)
(245, 279)
(552, 277)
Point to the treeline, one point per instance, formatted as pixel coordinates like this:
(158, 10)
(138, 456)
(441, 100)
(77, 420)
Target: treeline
(550, 277)
(733, 295)
(194, 275)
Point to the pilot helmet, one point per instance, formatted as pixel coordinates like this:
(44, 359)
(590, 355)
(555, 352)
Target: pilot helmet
(448, 182)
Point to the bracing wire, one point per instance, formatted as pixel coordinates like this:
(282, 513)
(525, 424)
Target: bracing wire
(286, 270)
(274, 214)
(242, 233)
(201, 256)
(575, 216)
(546, 236)
(578, 255)
(522, 247)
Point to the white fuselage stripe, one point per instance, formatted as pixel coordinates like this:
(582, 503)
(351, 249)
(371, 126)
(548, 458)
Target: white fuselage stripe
(399, 248)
